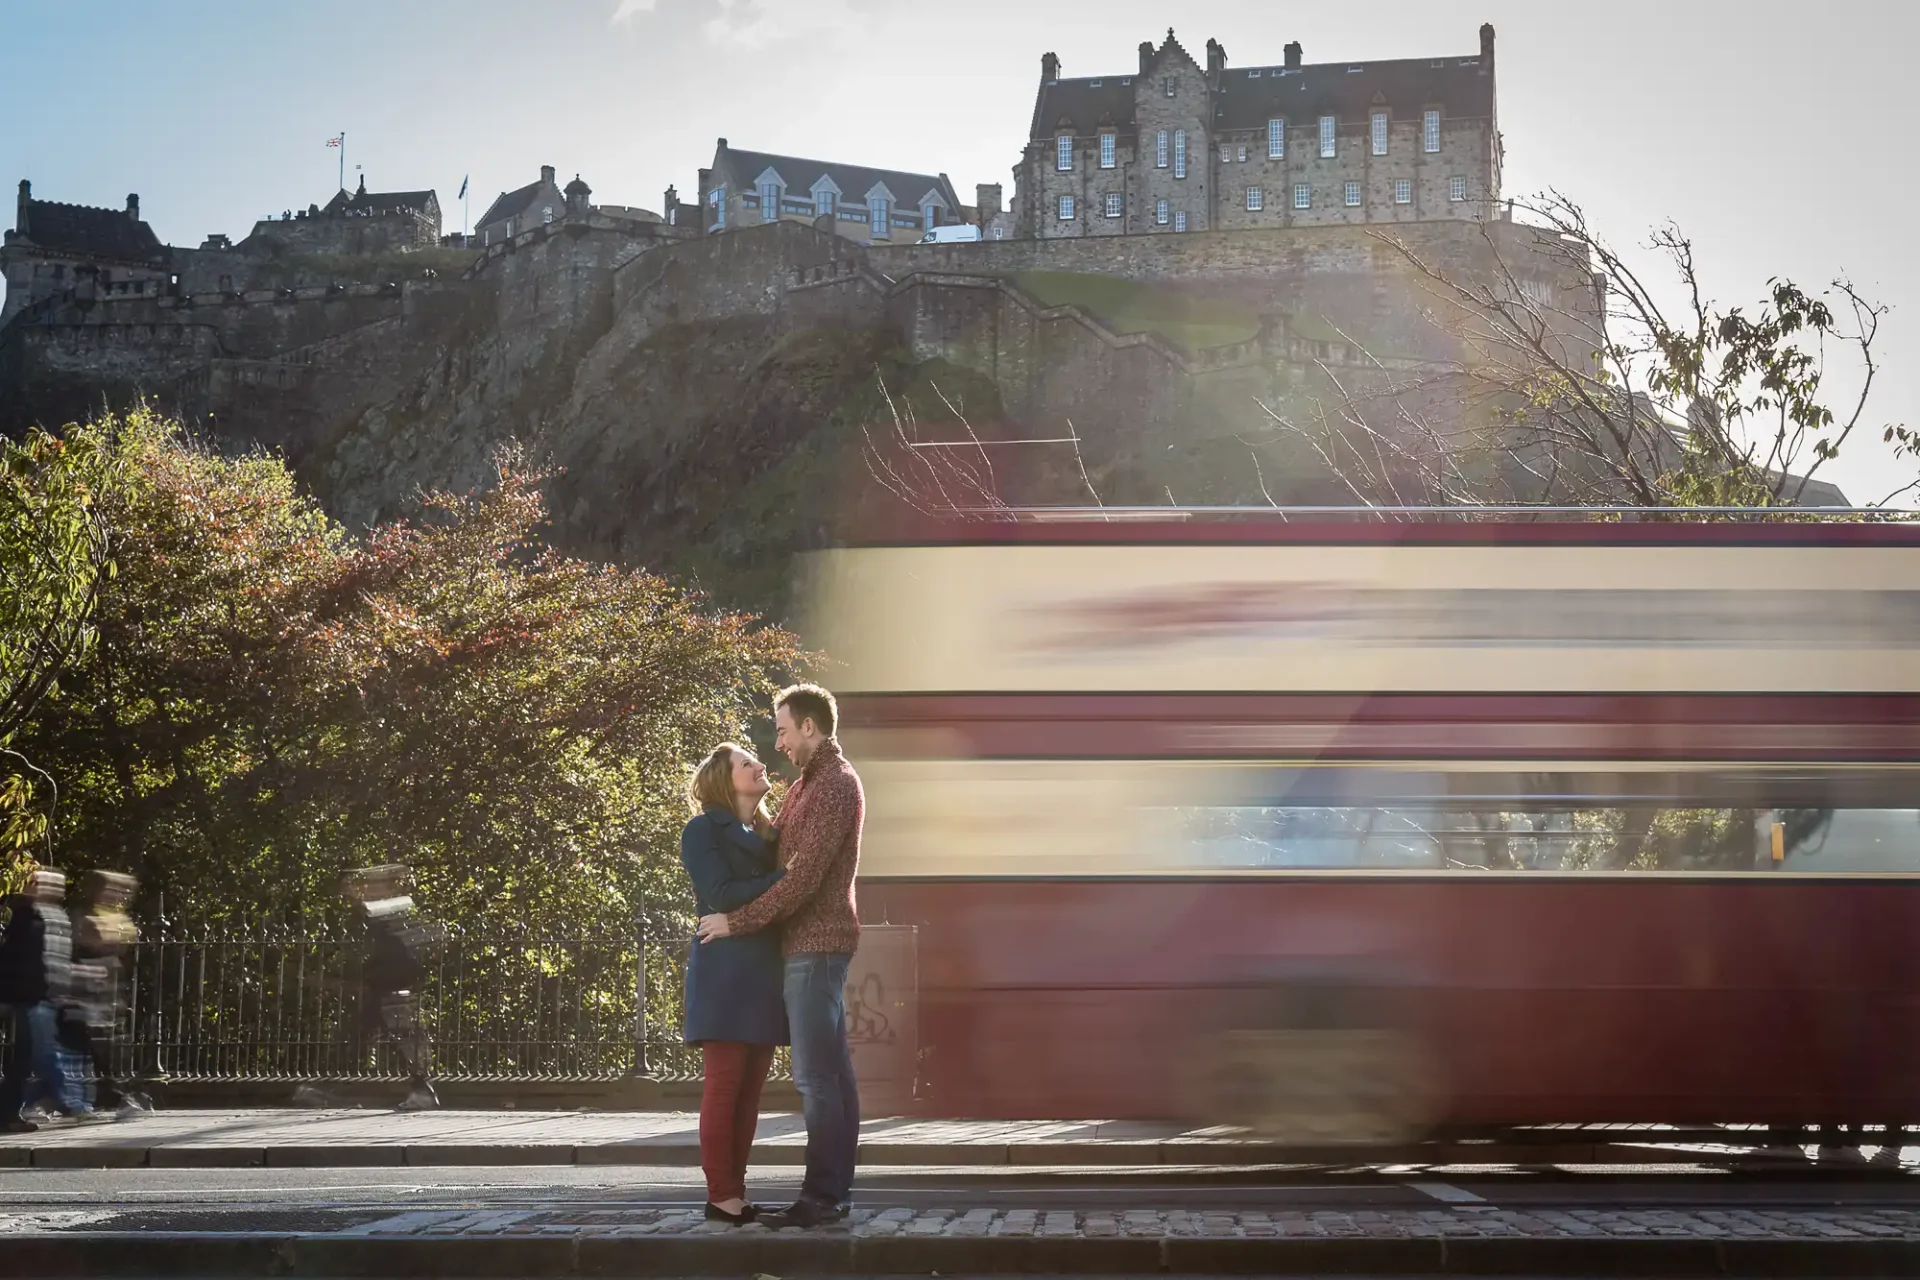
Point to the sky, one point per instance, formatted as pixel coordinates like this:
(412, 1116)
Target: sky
(1765, 130)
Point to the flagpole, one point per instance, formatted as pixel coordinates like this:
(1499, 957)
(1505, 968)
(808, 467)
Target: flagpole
(343, 159)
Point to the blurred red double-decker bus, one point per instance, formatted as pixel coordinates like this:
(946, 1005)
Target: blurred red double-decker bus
(1349, 830)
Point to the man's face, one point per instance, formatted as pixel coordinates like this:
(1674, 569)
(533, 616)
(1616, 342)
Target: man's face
(789, 740)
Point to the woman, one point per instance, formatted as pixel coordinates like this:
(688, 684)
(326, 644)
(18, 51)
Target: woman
(735, 1010)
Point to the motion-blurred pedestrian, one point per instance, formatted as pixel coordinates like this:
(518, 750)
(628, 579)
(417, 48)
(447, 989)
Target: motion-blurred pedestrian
(398, 941)
(103, 934)
(36, 959)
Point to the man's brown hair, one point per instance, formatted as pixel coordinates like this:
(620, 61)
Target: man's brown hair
(809, 702)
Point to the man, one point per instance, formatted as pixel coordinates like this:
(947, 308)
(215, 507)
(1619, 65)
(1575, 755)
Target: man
(819, 843)
(103, 933)
(391, 972)
(36, 953)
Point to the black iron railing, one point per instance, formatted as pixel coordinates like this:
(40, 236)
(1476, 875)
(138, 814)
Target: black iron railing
(499, 1005)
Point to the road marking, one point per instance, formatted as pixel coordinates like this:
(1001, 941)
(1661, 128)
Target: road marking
(1446, 1193)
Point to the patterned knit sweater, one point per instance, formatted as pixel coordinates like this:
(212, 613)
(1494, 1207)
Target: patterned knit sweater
(819, 846)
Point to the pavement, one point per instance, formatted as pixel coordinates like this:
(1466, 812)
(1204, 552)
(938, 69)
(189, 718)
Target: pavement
(292, 1138)
(493, 1209)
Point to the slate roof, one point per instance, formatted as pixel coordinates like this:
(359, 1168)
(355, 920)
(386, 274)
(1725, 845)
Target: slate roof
(1250, 96)
(1351, 90)
(380, 201)
(854, 181)
(511, 204)
(91, 233)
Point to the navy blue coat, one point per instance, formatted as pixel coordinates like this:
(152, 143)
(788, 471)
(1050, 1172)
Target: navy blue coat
(734, 985)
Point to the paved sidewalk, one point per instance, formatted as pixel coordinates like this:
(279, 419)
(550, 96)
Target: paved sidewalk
(1478, 1239)
(317, 1138)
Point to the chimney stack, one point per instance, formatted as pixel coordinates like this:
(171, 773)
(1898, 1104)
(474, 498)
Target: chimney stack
(546, 174)
(1216, 58)
(133, 206)
(1293, 56)
(20, 214)
(986, 198)
(1146, 56)
(1486, 48)
(1049, 68)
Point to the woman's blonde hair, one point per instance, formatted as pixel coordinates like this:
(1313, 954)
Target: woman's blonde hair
(712, 785)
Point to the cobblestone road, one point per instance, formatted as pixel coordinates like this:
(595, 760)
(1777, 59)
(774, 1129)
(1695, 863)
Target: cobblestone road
(1477, 1222)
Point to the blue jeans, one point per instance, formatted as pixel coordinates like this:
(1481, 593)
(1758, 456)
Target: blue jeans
(816, 994)
(33, 1052)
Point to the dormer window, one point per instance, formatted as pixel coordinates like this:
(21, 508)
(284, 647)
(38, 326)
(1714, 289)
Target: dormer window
(1276, 139)
(1430, 130)
(1254, 74)
(823, 202)
(1109, 148)
(769, 201)
(1327, 127)
(1379, 133)
(877, 214)
(930, 216)
(1063, 153)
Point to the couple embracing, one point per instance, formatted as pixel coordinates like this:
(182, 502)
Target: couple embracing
(778, 928)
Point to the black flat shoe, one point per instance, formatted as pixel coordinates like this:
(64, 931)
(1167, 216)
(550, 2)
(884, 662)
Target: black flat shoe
(806, 1214)
(747, 1214)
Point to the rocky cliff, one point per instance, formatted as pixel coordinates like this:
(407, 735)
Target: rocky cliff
(709, 406)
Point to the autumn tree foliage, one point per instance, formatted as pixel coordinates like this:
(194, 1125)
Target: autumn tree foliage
(270, 700)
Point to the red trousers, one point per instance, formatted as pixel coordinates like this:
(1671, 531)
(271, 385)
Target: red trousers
(729, 1111)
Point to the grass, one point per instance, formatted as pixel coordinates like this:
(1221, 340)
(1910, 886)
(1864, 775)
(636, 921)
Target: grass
(1190, 321)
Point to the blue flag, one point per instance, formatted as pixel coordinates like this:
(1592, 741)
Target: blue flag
(463, 189)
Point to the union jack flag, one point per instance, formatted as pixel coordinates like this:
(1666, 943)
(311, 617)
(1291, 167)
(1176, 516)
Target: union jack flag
(334, 142)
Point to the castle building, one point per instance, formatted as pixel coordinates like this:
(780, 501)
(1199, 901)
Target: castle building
(871, 206)
(56, 248)
(514, 211)
(1180, 146)
(359, 222)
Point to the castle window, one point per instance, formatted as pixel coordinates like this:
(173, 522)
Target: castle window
(1226, 154)
(1276, 139)
(769, 201)
(1353, 195)
(930, 216)
(1160, 150)
(1065, 210)
(1379, 133)
(1063, 153)
(1179, 153)
(1115, 205)
(1109, 147)
(877, 221)
(1302, 196)
(717, 198)
(1180, 220)
(1166, 85)
(1255, 199)
(1403, 190)
(1326, 137)
(1456, 188)
(1431, 131)
(1243, 155)
(823, 204)
(1160, 214)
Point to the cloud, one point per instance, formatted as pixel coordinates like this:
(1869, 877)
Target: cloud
(754, 24)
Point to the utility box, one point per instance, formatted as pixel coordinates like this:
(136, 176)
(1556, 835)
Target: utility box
(883, 998)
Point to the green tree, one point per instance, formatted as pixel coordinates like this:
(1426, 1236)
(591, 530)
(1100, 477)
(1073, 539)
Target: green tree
(54, 558)
(271, 700)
